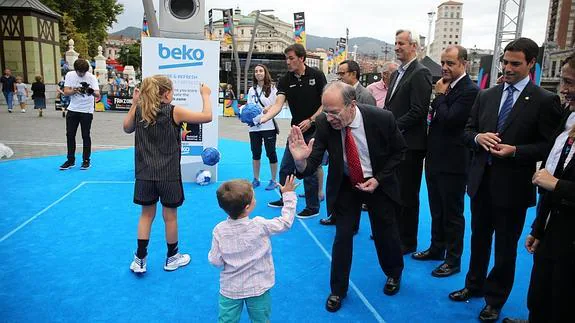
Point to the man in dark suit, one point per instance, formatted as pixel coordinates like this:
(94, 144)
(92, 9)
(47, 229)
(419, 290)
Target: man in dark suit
(408, 100)
(509, 129)
(365, 147)
(447, 161)
(552, 238)
(348, 72)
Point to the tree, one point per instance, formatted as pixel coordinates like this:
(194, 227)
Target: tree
(90, 17)
(80, 41)
(130, 55)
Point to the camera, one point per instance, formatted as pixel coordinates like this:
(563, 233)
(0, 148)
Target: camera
(85, 89)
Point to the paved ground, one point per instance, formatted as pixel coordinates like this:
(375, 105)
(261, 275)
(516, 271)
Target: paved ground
(30, 136)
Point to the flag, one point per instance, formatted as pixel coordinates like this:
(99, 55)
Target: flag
(299, 28)
(210, 25)
(145, 29)
(227, 27)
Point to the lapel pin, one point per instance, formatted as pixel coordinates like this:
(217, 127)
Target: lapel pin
(526, 98)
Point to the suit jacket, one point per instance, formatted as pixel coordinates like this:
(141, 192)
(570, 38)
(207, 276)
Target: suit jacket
(386, 150)
(560, 230)
(445, 149)
(362, 95)
(529, 126)
(410, 103)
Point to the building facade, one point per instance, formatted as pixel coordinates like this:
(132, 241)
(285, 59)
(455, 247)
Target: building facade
(272, 37)
(30, 40)
(559, 39)
(448, 28)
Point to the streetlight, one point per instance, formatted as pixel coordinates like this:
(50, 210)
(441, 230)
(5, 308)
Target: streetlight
(428, 45)
(251, 48)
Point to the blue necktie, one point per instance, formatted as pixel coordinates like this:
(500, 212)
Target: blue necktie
(506, 108)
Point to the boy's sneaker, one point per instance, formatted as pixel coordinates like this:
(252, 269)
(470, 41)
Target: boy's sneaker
(138, 265)
(278, 203)
(9, 110)
(272, 185)
(67, 165)
(85, 165)
(176, 261)
(255, 183)
(307, 213)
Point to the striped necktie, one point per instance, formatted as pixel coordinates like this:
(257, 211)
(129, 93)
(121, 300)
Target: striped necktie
(506, 108)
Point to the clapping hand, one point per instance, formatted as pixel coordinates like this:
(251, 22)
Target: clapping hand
(289, 185)
(488, 140)
(545, 180)
(297, 145)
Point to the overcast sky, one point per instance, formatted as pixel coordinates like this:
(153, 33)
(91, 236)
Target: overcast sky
(371, 18)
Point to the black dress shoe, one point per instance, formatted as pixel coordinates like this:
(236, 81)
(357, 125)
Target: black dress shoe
(445, 270)
(330, 220)
(489, 314)
(428, 255)
(407, 250)
(333, 303)
(510, 320)
(392, 286)
(464, 294)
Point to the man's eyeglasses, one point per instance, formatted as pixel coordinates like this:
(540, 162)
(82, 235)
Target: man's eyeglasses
(335, 115)
(341, 73)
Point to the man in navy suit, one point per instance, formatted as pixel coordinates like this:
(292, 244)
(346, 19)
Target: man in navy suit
(447, 161)
(510, 128)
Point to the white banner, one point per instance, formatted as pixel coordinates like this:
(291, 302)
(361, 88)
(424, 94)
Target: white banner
(188, 62)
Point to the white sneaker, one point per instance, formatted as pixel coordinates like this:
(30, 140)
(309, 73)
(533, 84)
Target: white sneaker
(176, 261)
(23, 110)
(138, 265)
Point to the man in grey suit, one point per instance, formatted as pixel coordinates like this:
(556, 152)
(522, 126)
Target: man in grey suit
(408, 100)
(348, 72)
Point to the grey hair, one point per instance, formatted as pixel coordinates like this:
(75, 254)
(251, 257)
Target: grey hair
(413, 36)
(387, 65)
(347, 91)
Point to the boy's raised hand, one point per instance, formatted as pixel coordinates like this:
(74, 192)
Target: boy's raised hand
(289, 185)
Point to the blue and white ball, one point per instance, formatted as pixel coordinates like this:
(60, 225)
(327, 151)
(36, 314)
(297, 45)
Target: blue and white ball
(210, 156)
(203, 177)
(249, 112)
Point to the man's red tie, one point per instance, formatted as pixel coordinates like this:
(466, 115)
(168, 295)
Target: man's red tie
(353, 164)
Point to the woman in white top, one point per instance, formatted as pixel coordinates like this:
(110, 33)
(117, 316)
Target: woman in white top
(263, 94)
(21, 94)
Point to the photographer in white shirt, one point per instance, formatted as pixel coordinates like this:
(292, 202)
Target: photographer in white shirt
(82, 88)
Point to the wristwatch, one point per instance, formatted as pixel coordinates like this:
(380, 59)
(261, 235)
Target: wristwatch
(312, 122)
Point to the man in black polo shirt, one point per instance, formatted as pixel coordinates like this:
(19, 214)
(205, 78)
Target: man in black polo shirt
(301, 87)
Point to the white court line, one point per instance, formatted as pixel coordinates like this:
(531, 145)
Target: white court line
(58, 144)
(362, 297)
(9, 234)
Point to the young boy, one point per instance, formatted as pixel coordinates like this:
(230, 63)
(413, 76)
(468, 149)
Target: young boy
(242, 246)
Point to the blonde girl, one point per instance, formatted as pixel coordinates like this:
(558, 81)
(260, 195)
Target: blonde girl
(157, 124)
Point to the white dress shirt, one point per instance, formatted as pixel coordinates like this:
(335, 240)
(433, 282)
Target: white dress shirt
(557, 149)
(358, 133)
